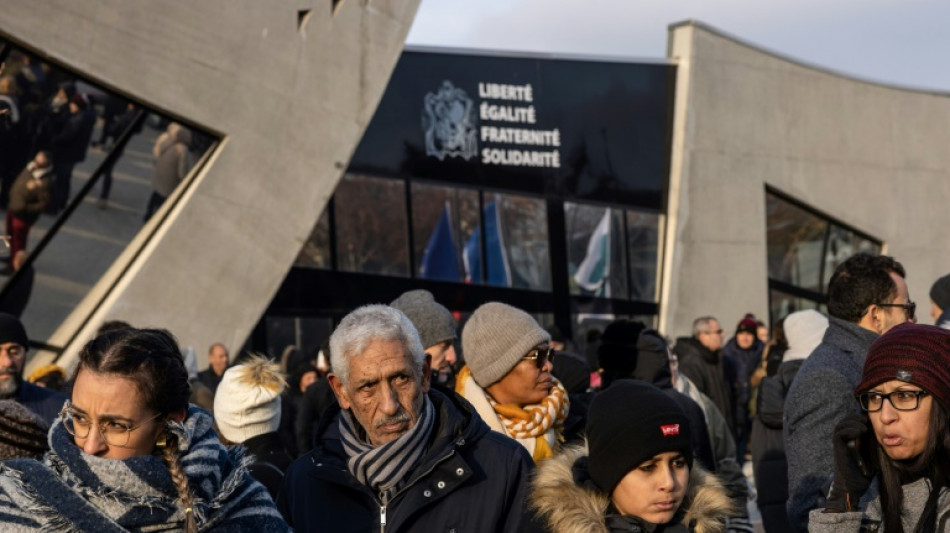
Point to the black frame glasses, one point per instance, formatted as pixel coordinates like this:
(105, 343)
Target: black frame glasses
(540, 356)
(910, 307)
(905, 398)
(118, 435)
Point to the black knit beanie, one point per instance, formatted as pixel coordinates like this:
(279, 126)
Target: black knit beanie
(940, 292)
(617, 353)
(628, 424)
(11, 330)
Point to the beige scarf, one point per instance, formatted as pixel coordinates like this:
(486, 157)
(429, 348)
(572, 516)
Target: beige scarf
(536, 420)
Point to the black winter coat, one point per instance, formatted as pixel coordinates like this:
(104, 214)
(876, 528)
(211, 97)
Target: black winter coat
(705, 369)
(471, 479)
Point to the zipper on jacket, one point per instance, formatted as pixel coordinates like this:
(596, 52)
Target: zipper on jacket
(382, 508)
(382, 519)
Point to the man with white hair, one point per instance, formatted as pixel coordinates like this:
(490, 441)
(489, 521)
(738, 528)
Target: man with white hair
(395, 455)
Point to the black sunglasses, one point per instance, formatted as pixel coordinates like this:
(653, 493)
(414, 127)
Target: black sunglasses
(540, 356)
(909, 307)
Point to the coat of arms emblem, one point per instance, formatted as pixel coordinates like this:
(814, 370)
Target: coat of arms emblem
(448, 120)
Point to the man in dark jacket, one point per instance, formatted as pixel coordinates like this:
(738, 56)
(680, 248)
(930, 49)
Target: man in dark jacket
(700, 361)
(867, 296)
(13, 346)
(743, 353)
(395, 456)
(69, 146)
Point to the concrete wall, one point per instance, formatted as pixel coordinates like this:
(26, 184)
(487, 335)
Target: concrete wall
(873, 156)
(291, 105)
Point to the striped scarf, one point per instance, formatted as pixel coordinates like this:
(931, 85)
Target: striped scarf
(536, 420)
(385, 468)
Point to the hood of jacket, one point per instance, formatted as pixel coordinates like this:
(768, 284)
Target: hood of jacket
(567, 507)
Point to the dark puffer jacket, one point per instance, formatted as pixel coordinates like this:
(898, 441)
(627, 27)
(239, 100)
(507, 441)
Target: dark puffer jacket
(705, 369)
(471, 479)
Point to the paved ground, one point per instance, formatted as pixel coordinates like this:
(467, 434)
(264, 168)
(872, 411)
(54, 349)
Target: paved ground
(91, 239)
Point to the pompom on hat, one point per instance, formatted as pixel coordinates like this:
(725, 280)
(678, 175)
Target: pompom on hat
(247, 402)
(912, 353)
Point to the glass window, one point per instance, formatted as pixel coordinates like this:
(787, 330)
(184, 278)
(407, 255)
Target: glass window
(796, 240)
(596, 260)
(443, 219)
(643, 249)
(522, 231)
(783, 304)
(306, 333)
(842, 244)
(371, 225)
(316, 251)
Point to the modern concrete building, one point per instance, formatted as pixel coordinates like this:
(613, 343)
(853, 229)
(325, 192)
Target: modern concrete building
(751, 175)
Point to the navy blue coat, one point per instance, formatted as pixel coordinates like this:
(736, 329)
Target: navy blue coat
(471, 479)
(45, 402)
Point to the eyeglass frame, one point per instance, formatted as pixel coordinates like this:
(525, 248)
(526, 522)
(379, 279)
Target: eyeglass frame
(864, 396)
(67, 410)
(910, 307)
(535, 355)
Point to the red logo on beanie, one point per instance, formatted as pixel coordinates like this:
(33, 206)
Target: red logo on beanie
(670, 430)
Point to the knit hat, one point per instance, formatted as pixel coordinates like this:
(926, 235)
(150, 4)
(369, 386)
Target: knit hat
(432, 320)
(940, 292)
(46, 371)
(247, 402)
(804, 331)
(22, 432)
(913, 353)
(495, 339)
(11, 330)
(630, 423)
(747, 325)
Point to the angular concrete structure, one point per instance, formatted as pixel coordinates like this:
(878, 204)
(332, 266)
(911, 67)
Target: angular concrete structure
(288, 85)
(872, 156)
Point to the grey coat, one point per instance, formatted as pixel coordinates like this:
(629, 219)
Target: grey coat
(870, 518)
(820, 396)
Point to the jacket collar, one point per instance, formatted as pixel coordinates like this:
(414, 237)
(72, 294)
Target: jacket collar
(849, 338)
(569, 507)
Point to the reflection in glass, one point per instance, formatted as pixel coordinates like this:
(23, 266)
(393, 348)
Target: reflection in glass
(782, 304)
(371, 226)
(443, 218)
(316, 251)
(596, 261)
(522, 228)
(795, 239)
(306, 333)
(842, 244)
(643, 241)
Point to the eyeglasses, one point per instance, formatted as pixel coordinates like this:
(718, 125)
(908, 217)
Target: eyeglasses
(115, 433)
(902, 400)
(713, 332)
(909, 307)
(540, 356)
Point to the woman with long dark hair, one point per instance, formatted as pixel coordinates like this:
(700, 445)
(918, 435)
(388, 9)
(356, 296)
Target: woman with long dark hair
(129, 454)
(892, 461)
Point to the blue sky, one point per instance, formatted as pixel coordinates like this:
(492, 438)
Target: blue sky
(898, 42)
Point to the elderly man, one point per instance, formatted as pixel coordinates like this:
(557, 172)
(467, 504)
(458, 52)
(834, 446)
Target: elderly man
(218, 360)
(13, 346)
(701, 361)
(396, 456)
(867, 296)
(507, 378)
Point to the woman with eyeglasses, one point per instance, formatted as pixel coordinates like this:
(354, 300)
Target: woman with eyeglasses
(636, 473)
(129, 454)
(892, 461)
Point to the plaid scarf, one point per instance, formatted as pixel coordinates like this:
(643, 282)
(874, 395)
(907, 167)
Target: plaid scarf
(385, 468)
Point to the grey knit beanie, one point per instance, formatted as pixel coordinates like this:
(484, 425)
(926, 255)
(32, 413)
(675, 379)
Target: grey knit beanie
(495, 339)
(432, 320)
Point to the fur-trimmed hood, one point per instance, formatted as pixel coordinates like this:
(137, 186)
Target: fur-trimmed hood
(567, 507)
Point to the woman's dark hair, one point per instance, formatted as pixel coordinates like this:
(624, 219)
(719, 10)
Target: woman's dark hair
(933, 463)
(152, 360)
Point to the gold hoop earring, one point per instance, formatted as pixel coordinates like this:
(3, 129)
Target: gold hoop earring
(162, 441)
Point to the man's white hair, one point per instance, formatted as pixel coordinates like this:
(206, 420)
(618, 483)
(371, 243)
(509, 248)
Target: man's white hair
(371, 323)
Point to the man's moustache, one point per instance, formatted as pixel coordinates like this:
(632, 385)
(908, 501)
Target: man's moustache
(397, 419)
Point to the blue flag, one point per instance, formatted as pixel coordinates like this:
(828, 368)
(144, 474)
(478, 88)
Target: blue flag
(440, 259)
(499, 272)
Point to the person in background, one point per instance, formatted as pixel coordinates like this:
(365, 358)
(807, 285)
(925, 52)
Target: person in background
(636, 473)
(247, 411)
(68, 146)
(13, 348)
(172, 162)
(201, 395)
(396, 455)
(218, 360)
(899, 444)
(867, 296)
(940, 302)
(507, 378)
(700, 360)
(129, 454)
(436, 328)
(50, 376)
(744, 354)
(804, 331)
(30, 196)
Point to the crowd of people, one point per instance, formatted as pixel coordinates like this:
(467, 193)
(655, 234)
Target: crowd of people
(404, 421)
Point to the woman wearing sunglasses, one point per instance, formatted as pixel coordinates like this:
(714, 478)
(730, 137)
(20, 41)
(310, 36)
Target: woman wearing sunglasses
(892, 461)
(129, 454)
(635, 474)
(507, 378)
